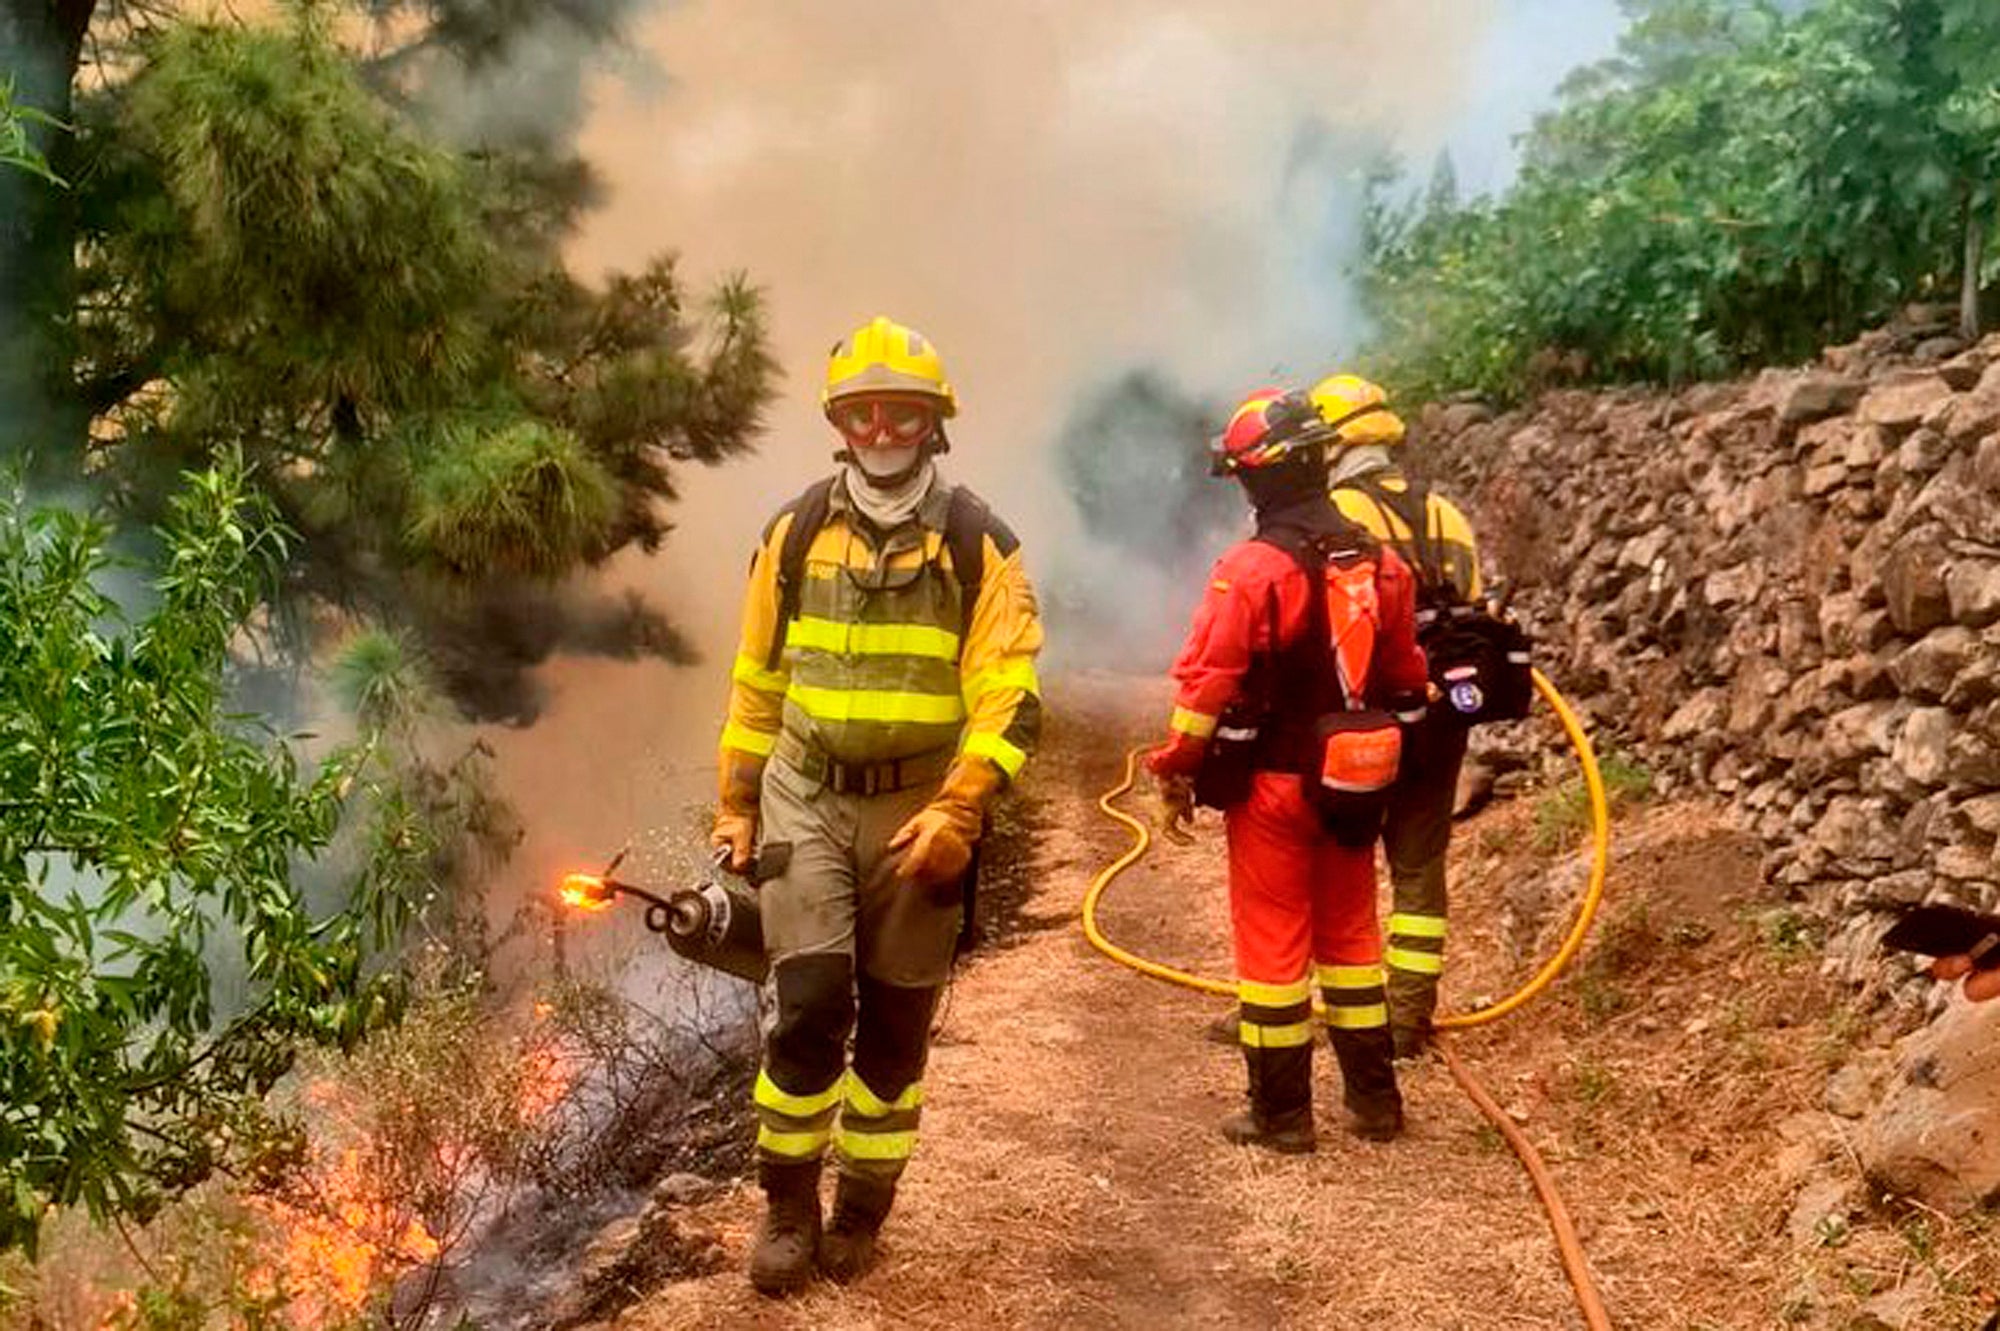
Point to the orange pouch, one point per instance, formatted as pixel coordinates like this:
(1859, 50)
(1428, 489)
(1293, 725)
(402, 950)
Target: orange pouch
(1360, 752)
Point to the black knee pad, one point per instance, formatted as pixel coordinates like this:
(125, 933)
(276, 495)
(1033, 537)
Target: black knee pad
(807, 1047)
(893, 1036)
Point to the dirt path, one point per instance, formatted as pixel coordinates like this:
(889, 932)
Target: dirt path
(1070, 1174)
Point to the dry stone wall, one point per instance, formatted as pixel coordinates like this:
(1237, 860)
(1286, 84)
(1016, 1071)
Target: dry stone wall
(1784, 591)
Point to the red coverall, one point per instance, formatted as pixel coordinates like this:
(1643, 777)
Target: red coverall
(1302, 906)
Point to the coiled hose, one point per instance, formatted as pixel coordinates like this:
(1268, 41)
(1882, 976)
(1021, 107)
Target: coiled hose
(1575, 1265)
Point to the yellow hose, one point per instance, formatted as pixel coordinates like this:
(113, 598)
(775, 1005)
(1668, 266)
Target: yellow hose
(1600, 863)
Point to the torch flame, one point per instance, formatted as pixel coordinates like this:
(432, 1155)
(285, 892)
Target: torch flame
(585, 891)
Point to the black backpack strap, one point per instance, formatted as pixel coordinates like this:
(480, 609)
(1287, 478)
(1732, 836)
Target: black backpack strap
(967, 523)
(808, 512)
(1411, 507)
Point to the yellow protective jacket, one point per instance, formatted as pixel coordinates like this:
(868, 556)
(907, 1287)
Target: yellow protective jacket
(1448, 533)
(882, 661)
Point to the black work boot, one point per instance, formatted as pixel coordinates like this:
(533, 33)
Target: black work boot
(1412, 1003)
(1280, 1114)
(1410, 1041)
(859, 1207)
(1286, 1134)
(782, 1260)
(1367, 1069)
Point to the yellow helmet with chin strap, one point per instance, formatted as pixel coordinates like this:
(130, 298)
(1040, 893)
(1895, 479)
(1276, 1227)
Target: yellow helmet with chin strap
(1356, 410)
(883, 356)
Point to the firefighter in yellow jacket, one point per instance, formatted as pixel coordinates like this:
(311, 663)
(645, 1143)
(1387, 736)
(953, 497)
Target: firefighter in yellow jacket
(1435, 540)
(884, 693)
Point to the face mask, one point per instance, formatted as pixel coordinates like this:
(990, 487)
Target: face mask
(886, 464)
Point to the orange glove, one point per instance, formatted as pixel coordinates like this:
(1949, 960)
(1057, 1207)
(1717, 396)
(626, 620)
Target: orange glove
(1979, 985)
(736, 807)
(937, 840)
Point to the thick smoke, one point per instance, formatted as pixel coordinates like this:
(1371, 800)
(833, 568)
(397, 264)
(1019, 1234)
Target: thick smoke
(1055, 193)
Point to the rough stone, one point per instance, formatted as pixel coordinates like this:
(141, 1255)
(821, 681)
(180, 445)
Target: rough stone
(1737, 585)
(1975, 759)
(1963, 864)
(1837, 615)
(1927, 669)
(1858, 731)
(1643, 549)
(1972, 588)
(1826, 478)
(1927, 449)
(1913, 583)
(1701, 714)
(1462, 416)
(1814, 396)
(1906, 886)
(1900, 405)
(1851, 830)
(1936, 1134)
(1923, 749)
(1934, 349)
(1981, 813)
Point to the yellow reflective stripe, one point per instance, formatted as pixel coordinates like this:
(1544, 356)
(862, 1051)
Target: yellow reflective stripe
(839, 705)
(1198, 724)
(803, 1145)
(830, 635)
(878, 1145)
(1348, 977)
(1357, 1018)
(1417, 926)
(1005, 756)
(1016, 674)
(770, 1095)
(743, 738)
(1273, 995)
(751, 672)
(1276, 1037)
(1423, 963)
(874, 1106)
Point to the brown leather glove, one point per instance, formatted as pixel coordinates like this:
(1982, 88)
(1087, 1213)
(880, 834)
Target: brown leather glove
(736, 807)
(937, 840)
(1173, 799)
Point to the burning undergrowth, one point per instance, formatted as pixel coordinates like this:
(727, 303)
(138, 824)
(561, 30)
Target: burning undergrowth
(454, 1169)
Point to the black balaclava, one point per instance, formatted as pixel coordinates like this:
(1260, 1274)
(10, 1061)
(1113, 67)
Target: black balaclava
(1292, 495)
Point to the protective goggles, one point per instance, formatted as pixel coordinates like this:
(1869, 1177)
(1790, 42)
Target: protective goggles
(883, 422)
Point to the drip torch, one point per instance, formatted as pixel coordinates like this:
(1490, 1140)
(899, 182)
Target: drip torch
(715, 923)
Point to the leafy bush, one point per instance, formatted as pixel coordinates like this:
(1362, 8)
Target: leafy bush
(1742, 185)
(148, 844)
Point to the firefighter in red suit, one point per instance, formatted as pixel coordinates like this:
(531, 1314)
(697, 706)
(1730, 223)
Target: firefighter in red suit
(1305, 638)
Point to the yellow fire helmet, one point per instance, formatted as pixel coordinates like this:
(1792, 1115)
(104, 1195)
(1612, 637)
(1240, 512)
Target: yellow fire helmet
(1356, 410)
(883, 356)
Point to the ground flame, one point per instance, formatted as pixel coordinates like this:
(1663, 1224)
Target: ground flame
(332, 1257)
(585, 892)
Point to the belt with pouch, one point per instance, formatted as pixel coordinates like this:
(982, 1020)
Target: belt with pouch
(879, 778)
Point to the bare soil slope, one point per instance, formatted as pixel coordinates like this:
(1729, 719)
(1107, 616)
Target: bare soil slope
(1070, 1174)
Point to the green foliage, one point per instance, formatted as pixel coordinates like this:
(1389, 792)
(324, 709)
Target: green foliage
(1563, 812)
(526, 497)
(278, 259)
(1742, 185)
(148, 842)
(17, 149)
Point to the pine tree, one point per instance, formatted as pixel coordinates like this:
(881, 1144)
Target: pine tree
(274, 256)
